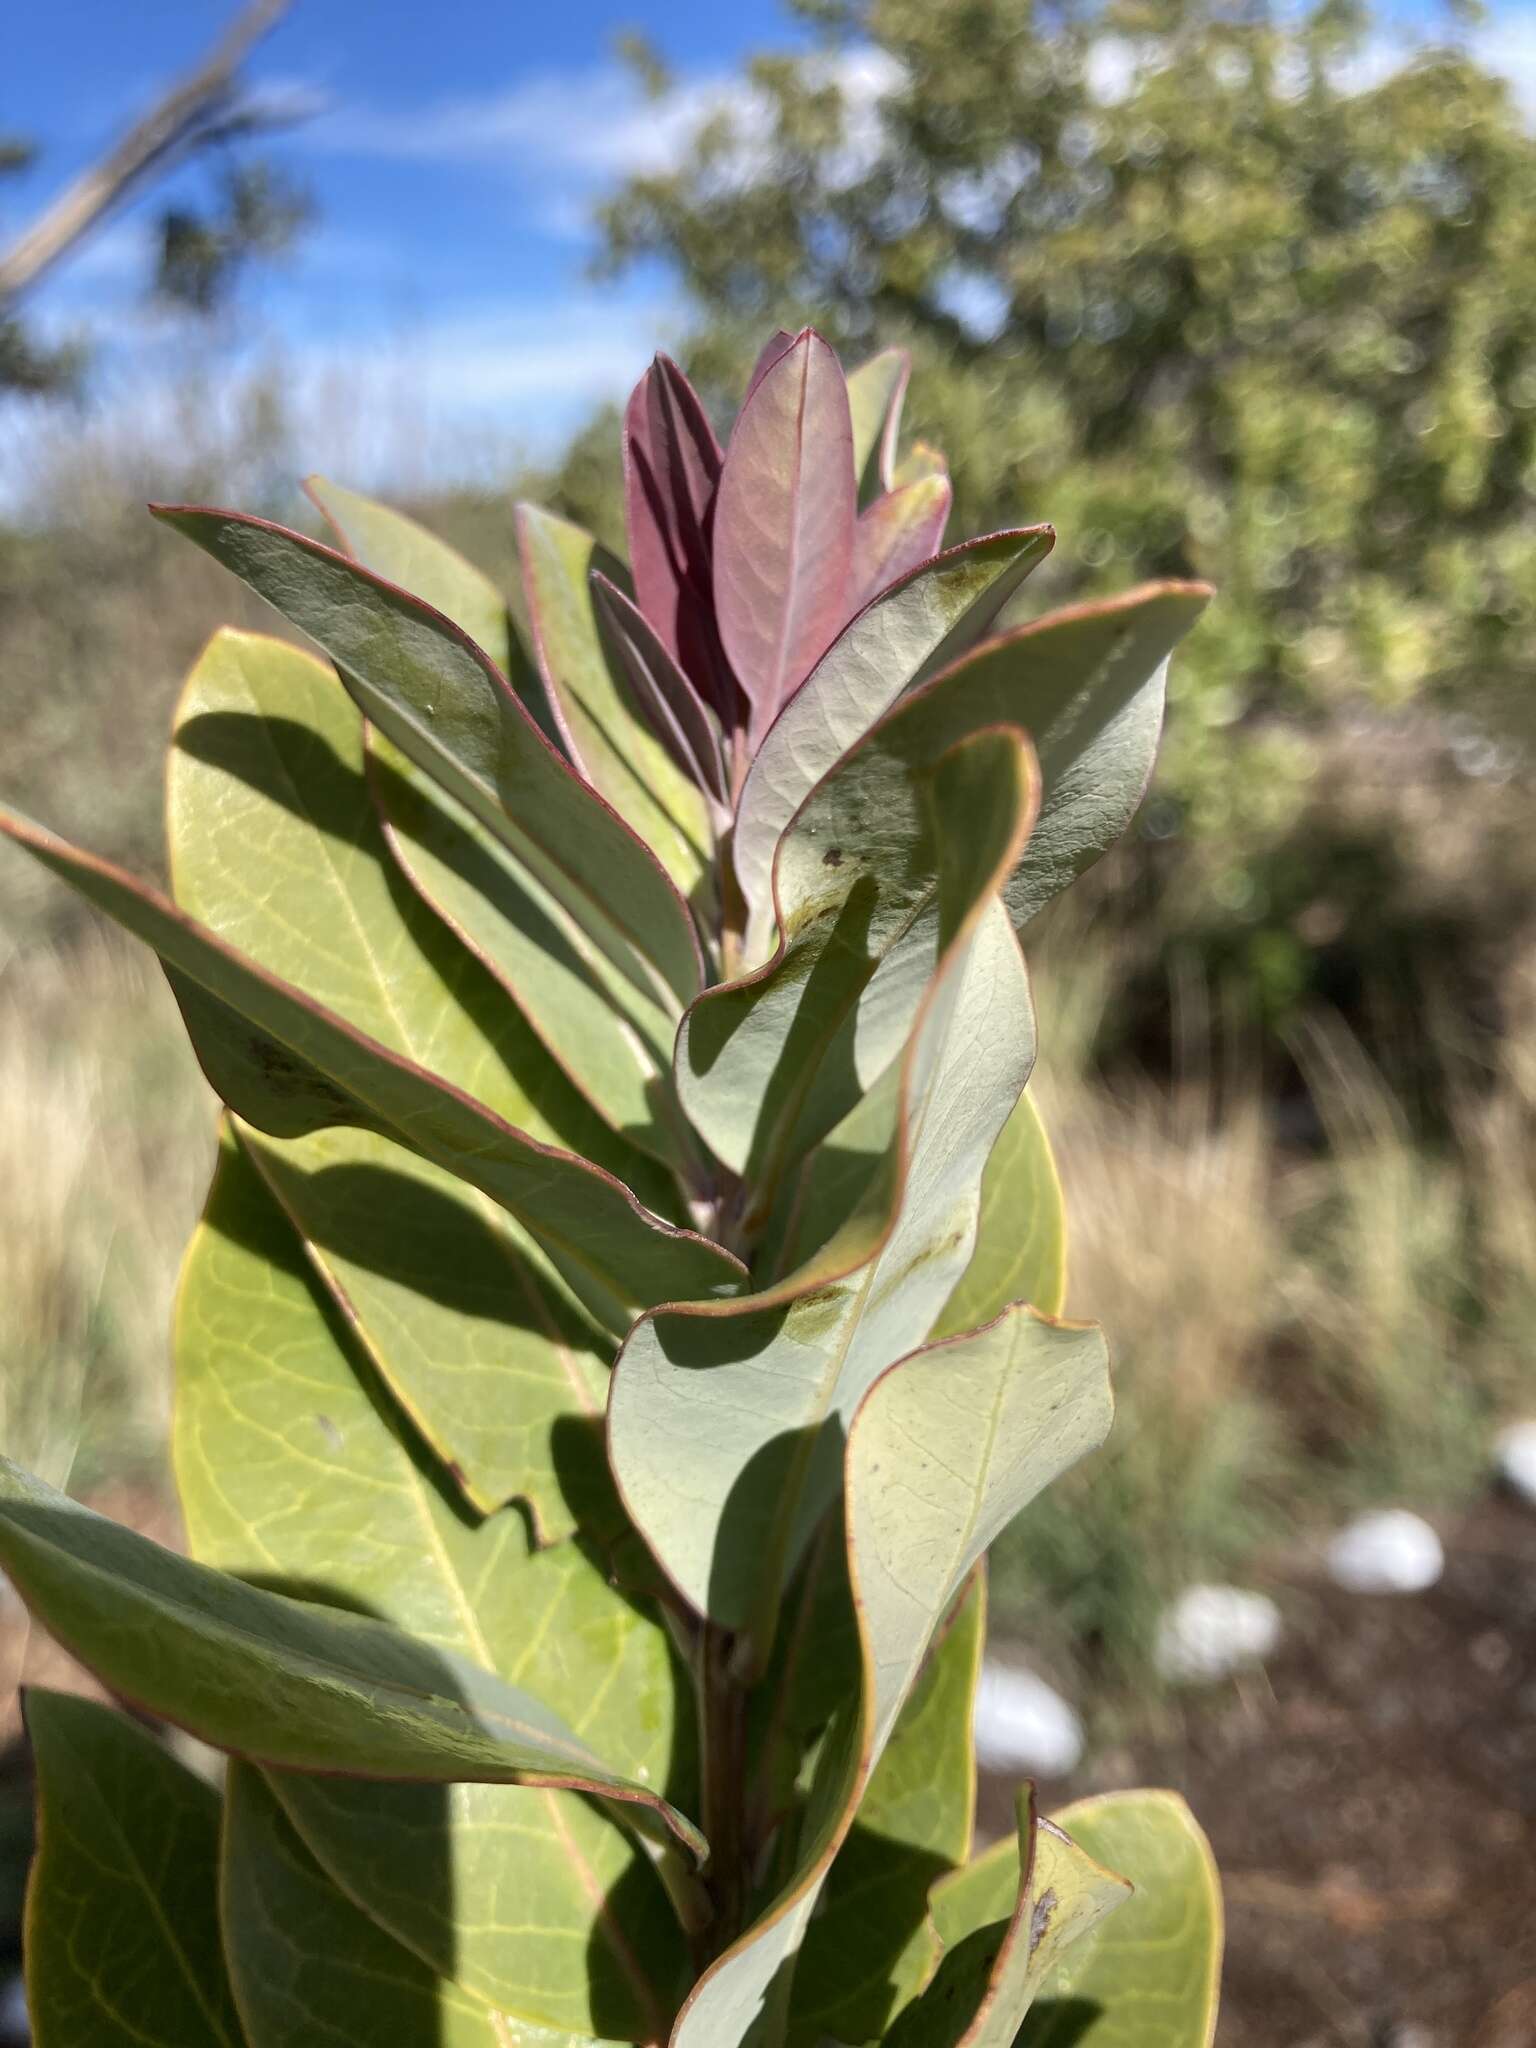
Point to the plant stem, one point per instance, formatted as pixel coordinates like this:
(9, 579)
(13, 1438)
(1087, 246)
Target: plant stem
(723, 1737)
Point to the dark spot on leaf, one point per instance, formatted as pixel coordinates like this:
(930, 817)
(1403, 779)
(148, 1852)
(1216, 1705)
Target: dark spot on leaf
(833, 857)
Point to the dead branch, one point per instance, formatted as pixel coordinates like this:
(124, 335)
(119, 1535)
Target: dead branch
(193, 112)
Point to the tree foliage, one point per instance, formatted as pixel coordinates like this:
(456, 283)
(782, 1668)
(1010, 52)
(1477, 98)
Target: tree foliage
(1236, 291)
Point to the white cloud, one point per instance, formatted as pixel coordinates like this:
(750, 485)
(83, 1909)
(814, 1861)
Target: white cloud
(464, 396)
(567, 133)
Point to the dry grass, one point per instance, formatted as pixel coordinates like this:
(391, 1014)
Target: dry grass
(106, 1133)
(1298, 1330)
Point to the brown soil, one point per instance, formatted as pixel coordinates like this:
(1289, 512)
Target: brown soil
(1372, 1803)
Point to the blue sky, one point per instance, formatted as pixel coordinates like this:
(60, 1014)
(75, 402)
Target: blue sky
(440, 311)
(454, 160)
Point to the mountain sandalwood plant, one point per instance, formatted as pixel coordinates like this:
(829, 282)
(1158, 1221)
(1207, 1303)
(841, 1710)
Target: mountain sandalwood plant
(627, 1303)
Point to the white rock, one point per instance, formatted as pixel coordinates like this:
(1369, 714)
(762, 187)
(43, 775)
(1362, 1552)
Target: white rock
(1389, 1552)
(1515, 1456)
(1211, 1631)
(1022, 1725)
(13, 2012)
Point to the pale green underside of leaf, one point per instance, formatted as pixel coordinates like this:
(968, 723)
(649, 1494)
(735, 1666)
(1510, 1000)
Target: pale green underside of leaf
(309, 1967)
(431, 691)
(947, 1448)
(283, 1681)
(852, 872)
(725, 1429)
(1021, 1238)
(290, 1066)
(1152, 1978)
(907, 633)
(872, 1947)
(619, 755)
(122, 1939)
(404, 552)
(1088, 686)
(292, 1468)
(1006, 1922)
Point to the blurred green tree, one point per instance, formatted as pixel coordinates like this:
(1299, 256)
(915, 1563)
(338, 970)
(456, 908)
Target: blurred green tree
(1235, 289)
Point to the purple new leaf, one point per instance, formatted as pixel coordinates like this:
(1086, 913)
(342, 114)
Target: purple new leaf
(895, 533)
(777, 345)
(667, 700)
(784, 520)
(671, 472)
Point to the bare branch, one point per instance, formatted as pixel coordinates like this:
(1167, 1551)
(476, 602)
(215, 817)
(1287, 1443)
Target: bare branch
(194, 111)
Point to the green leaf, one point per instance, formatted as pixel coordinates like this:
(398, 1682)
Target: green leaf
(724, 1420)
(458, 1305)
(395, 547)
(1021, 1239)
(1006, 1921)
(909, 631)
(862, 861)
(122, 1936)
(947, 1448)
(469, 1323)
(308, 1966)
(291, 1467)
(1087, 685)
(265, 778)
(1153, 1977)
(875, 392)
(619, 754)
(612, 1039)
(872, 1946)
(290, 1066)
(444, 703)
(283, 1681)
